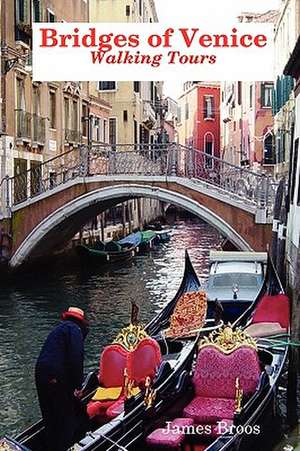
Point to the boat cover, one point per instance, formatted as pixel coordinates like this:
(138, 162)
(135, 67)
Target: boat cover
(133, 239)
(147, 236)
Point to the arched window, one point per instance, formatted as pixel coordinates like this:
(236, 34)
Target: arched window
(209, 149)
(269, 156)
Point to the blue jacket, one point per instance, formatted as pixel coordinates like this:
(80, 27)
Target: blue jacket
(61, 357)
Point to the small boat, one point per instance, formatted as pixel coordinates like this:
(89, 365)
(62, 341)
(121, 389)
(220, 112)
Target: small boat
(112, 251)
(163, 233)
(148, 240)
(235, 276)
(230, 401)
(163, 236)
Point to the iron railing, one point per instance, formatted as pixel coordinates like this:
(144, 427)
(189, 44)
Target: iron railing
(72, 136)
(30, 127)
(39, 129)
(168, 160)
(23, 124)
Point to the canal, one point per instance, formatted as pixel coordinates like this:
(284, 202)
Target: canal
(32, 306)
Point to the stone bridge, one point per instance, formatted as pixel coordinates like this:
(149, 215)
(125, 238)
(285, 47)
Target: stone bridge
(46, 206)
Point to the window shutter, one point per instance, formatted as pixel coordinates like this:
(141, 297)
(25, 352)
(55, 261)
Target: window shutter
(26, 12)
(274, 102)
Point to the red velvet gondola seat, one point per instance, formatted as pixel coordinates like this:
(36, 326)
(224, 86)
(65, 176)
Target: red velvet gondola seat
(132, 350)
(223, 359)
(112, 366)
(271, 317)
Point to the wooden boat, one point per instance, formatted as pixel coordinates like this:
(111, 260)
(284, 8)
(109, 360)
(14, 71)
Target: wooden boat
(163, 233)
(163, 236)
(112, 251)
(176, 359)
(170, 392)
(235, 276)
(230, 403)
(149, 237)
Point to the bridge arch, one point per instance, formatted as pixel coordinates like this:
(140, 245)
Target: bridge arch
(99, 200)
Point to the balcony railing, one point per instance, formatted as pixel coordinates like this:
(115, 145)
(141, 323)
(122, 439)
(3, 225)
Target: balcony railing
(72, 136)
(30, 127)
(23, 124)
(39, 129)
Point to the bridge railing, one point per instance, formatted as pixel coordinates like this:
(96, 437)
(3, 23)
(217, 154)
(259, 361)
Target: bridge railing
(143, 159)
(237, 181)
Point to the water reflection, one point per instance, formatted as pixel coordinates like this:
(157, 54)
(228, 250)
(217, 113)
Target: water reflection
(32, 308)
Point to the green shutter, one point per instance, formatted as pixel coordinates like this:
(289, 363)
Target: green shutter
(274, 102)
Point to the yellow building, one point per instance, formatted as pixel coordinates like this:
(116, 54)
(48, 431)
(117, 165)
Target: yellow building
(135, 111)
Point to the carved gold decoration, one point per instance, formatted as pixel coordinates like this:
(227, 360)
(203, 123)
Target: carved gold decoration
(189, 314)
(228, 340)
(130, 389)
(5, 446)
(130, 337)
(238, 396)
(150, 394)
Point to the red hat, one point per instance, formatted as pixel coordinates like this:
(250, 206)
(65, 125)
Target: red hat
(73, 312)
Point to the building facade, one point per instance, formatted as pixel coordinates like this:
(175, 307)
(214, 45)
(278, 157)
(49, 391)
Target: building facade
(136, 106)
(41, 120)
(246, 124)
(286, 33)
(247, 137)
(292, 69)
(199, 117)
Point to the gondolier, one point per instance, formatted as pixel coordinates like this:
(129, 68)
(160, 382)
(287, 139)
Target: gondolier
(59, 376)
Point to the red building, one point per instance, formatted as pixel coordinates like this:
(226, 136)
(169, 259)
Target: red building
(199, 118)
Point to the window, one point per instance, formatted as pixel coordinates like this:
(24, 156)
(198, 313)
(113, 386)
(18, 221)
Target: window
(251, 96)
(266, 95)
(105, 130)
(136, 86)
(209, 107)
(268, 150)
(209, 149)
(97, 124)
(127, 10)
(112, 130)
(85, 119)
(36, 5)
(20, 94)
(239, 87)
(22, 11)
(52, 106)
(107, 85)
(36, 100)
(186, 111)
(179, 115)
(75, 115)
(50, 16)
(125, 115)
(67, 112)
(140, 7)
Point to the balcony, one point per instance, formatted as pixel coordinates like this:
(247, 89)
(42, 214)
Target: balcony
(72, 136)
(30, 127)
(23, 126)
(39, 130)
(149, 115)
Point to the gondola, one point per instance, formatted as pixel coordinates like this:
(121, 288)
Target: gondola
(149, 237)
(232, 405)
(144, 412)
(176, 360)
(112, 251)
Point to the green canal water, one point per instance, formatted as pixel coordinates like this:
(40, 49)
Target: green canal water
(31, 307)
